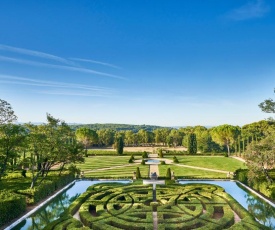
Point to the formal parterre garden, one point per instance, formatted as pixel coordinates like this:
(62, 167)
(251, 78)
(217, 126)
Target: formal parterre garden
(193, 206)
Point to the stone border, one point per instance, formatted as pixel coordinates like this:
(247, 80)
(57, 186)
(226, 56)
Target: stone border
(38, 207)
(245, 186)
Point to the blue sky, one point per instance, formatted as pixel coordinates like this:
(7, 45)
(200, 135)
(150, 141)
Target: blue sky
(169, 63)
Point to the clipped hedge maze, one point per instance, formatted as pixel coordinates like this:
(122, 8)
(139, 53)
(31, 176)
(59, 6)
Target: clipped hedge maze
(193, 206)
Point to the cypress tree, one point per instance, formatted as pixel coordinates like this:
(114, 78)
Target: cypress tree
(119, 145)
(138, 175)
(168, 173)
(192, 143)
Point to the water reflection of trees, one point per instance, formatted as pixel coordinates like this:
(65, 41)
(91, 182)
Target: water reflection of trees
(262, 211)
(46, 215)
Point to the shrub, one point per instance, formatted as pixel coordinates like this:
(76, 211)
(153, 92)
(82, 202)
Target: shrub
(168, 173)
(11, 206)
(144, 155)
(46, 188)
(138, 175)
(175, 159)
(131, 160)
(143, 162)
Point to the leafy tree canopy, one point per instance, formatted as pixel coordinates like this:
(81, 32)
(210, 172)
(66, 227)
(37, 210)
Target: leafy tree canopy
(6, 113)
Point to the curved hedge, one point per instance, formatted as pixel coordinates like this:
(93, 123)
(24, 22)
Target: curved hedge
(191, 206)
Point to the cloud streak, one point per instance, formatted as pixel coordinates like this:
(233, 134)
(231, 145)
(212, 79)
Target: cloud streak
(35, 54)
(60, 88)
(95, 62)
(253, 9)
(70, 65)
(69, 68)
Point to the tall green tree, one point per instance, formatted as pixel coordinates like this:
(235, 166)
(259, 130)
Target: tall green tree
(192, 143)
(86, 136)
(268, 106)
(260, 158)
(11, 137)
(119, 145)
(6, 113)
(225, 135)
(106, 137)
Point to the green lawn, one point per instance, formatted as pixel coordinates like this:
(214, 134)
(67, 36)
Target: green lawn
(97, 162)
(188, 172)
(120, 172)
(221, 163)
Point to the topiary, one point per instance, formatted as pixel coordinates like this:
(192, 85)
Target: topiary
(138, 175)
(168, 173)
(175, 159)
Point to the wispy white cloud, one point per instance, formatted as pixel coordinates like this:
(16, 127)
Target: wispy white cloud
(35, 54)
(69, 68)
(70, 63)
(253, 9)
(95, 62)
(60, 88)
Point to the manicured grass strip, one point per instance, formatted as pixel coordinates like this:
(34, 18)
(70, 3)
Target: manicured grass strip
(97, 162)
(189, 173)
(220, 163)
(119, 172)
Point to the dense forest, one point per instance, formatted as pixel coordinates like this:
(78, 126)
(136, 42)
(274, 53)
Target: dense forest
(117, 127)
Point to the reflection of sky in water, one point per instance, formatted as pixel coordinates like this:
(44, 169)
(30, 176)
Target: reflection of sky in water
(255, 205)
(54, 208)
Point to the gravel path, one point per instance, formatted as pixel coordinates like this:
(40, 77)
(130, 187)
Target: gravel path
(155, 220)
(154, 168)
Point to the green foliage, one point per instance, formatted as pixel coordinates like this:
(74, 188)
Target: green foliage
(144, 154)
(168, 173)
(162, 163)
(241, 175)
(11, 206)
(6, 113)
(138, 175)
(131, 206)
(268, 106)
(118, 127)
(160, 153)
(175, 159)
(131, 160)
(225, 135)
(46, 188)
(192, 144)
(119, 145)
(143, 161)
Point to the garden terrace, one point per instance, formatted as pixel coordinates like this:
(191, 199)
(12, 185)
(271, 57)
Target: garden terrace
(191, 206)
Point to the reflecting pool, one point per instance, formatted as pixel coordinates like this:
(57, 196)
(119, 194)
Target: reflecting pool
(52, 210)
(261, 210)
(152, 161)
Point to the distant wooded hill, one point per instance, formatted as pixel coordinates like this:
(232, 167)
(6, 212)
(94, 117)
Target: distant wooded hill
(118, 127)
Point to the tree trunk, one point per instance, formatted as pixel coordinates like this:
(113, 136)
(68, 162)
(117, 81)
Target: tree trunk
(228, 149)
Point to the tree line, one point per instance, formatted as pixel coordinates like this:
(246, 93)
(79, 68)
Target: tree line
(226, 138)
(44, 146)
